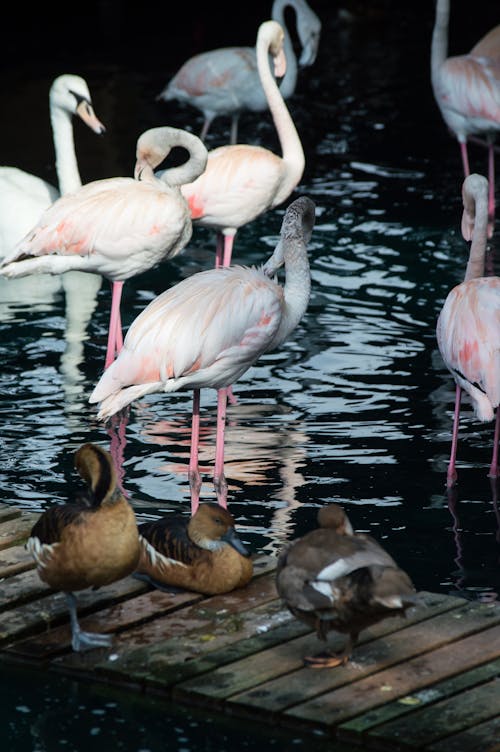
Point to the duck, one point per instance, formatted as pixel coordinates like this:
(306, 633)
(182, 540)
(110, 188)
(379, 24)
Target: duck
(202, 553)
(335, 579)
(89, 542)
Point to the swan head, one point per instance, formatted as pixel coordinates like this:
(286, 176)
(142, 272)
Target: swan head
(70, 94)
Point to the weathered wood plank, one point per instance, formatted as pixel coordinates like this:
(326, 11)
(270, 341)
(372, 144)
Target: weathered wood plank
(135, 612)
(17, 530)
(284, 663)
(196, 651)
(8, 513)
(392, 649)
(27, 586)
(356, 698)
(15, 560)
(481, 738)
(443, 719)
(42, 614)
(408, 704)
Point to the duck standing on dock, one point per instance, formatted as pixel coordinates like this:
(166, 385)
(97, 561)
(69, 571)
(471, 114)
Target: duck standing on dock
(201, 553)
(90, 542)
(335, 579)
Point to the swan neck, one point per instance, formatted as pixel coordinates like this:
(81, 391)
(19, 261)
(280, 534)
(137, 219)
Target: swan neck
(68, 175)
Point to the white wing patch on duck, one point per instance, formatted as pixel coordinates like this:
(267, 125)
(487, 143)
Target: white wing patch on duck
(156, 559)
(41, 552)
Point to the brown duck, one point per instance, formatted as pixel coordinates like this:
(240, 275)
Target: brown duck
(90, 542)
(202, 553)
(335, 579)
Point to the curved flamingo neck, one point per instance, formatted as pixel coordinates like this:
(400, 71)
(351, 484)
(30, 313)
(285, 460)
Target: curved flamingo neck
(439, 45)
(68, 175)
(289, 80)
(475, 216)
(291, 147)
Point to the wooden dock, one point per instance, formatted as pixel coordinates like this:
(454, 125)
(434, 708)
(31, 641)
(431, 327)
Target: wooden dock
(427, 682)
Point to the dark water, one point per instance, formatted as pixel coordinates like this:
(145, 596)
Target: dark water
(356, 407)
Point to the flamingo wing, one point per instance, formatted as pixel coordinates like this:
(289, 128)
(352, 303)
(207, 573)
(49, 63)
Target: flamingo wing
(468, 339)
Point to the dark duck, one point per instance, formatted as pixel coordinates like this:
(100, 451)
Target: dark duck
(202, 553)
(89, 542)
(335, 579)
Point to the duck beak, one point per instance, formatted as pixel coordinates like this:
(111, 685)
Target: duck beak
(232, 538)
(86, 112)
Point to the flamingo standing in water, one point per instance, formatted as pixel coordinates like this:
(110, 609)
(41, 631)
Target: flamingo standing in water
(468, 327)
(467, 90)
(209, 329)
(226, 81)
(242, 181)
(117, 227)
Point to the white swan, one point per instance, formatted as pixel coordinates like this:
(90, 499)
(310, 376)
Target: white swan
(23, 197)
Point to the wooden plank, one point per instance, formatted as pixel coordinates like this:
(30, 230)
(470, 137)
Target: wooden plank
(196, 651)
(8, 513)
(138, 611)
(115, 618)
(389, 650)
(481, 738)
(15, 560)
(409, 703)
(42, 614)
(350, 700)
(17, 530)
(284, 663)
(443, 718)
(25, 587)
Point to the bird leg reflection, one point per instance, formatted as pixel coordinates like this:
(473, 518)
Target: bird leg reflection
(496, 438)
(194, 472)
(451, 475)
(220, 482)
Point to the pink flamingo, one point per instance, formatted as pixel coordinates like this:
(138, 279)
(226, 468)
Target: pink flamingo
(468, 326)
(116, 227)
(226, 81)
(242, 181)
(467, 90)
(209, 329)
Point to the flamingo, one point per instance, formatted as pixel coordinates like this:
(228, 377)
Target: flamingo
(242, 181)
(117, 227)
(468, 326)
(467, 91)
(209, 329)
(226, 81)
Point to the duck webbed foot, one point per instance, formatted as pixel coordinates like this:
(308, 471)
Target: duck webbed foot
(330, 659)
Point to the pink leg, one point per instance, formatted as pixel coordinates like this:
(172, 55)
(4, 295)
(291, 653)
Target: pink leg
(118, 334)
(228, 252)
(219, 250)
(491, 183)
(113, 321)
(228, 249)
(451, 477)
(494, 460)
(194, 471)
(219, 478)
(465, 158)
